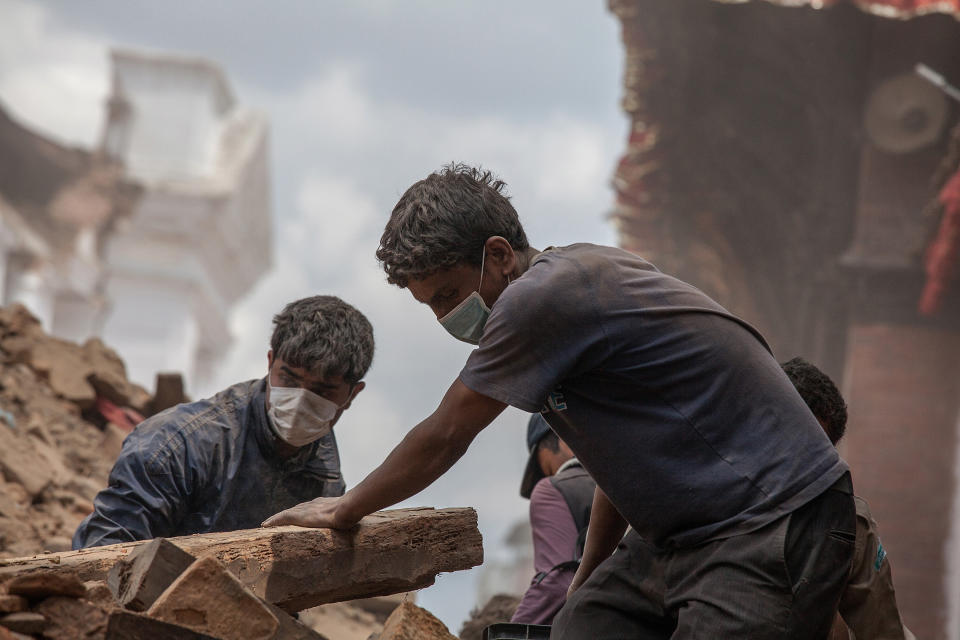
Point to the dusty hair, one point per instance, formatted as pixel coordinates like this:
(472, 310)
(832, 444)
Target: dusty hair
(444, 220)
(324, 335)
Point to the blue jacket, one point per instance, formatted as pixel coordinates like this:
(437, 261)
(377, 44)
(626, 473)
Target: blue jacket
(205, 466)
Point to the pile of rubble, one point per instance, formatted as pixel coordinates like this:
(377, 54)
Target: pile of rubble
(56, 446)
(160, 592)
(64, 411)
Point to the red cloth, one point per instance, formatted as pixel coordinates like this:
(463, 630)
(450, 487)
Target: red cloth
(124, 417)
(943, 254)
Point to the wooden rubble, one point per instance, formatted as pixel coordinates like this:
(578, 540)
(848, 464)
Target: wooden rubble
(296, 568)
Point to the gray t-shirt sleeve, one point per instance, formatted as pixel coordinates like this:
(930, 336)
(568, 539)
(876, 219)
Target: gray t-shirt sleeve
(543, 329)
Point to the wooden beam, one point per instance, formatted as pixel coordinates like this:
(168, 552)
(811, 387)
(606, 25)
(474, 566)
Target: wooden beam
(297, 568)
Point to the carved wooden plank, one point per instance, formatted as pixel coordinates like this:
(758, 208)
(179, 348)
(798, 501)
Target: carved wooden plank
(297, 568)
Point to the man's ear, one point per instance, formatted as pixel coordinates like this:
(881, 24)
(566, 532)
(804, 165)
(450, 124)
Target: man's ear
(357, 388)
(500, 255)
(269, 359)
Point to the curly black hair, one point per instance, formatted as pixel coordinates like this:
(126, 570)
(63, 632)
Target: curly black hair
(821, 395)
(444, 220)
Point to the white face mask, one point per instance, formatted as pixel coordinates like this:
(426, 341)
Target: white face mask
(299, 416)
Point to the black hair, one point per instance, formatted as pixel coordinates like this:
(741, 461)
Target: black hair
(444, 220)
(550, 441)
(821, 395)
(324, 335)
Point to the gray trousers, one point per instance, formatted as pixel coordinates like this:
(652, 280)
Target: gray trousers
(781, 581)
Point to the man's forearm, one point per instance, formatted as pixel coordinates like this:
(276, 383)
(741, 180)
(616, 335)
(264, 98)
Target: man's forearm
(425, 454)
(421, 457)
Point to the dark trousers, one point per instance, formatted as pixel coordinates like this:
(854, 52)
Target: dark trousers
(780, 582)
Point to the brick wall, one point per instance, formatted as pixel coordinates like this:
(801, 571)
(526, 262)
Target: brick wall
(902, 384)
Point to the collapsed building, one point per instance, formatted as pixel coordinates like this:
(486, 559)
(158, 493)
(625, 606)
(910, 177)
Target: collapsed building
(786, 158)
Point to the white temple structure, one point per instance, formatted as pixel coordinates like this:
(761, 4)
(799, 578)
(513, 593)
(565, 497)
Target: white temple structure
(57, 206)
(201, 234)
(148, 241)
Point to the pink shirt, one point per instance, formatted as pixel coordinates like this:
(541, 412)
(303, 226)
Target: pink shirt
(554, 542)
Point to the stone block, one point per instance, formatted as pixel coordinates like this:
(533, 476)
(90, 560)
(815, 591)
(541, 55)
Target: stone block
(137, 581)
(20, 462)
(44, 584)
(126, 625)
(6, 634)
(24, 622)
(209, 599)
(72, 619)
(13, 604)
(66, 369)
(410, 622)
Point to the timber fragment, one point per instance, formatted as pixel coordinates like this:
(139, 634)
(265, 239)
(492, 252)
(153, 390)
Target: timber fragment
(209, 599)
(138, 580)
(297, 568)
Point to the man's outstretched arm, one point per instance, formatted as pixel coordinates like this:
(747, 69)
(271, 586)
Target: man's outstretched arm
(425, 454)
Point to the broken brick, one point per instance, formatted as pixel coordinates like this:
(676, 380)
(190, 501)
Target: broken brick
(410, 622)
(43, 584)
(71, 619)
(13, 604)
(24, 622)
(209, 599)
(127, 625)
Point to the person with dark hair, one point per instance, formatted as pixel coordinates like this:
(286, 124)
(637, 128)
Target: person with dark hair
(257, 447)
(560, 493)
(821, 395)
(868, 605)
(675, 407)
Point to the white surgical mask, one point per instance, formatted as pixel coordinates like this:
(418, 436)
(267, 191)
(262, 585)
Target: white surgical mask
(300, 416)
(466, 321)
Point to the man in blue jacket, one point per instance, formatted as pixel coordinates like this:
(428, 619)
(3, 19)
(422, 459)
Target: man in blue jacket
(229, 461)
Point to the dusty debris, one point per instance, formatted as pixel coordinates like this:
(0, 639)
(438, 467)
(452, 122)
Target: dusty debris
(209, 599)
(52, 458)
(64, 411)
(499, 608)
(45, 584)
(410, 622)
(13, 604)
(341, 621)
(25, 622)
(72, 618)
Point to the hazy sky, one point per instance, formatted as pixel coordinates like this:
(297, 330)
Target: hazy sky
(363, 99)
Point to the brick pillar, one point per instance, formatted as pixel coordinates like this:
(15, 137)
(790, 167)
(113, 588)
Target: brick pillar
(903, 389)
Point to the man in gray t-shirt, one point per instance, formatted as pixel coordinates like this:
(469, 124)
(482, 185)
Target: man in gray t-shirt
(677, 409)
